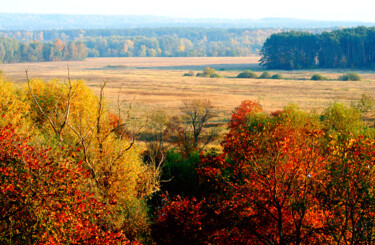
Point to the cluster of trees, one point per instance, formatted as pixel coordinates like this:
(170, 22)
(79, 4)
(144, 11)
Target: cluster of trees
(171, 46)
(165, 42)
(69, 170)
(288, 177)
(345, 48)
(12, 51)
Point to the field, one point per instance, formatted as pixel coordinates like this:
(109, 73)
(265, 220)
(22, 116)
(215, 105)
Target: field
(158, 83)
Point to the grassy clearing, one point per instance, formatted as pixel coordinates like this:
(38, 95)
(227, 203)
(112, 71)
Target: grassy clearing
(158, 83)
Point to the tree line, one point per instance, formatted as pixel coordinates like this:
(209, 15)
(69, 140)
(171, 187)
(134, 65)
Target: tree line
(167, 42)
(151, 42)
(168, 46)
(345, 48)
(12, 51)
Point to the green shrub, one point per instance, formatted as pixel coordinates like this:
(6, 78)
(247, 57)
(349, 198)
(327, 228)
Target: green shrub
(216, 76)
(277, 76)
(342, 121)
(350, 76)
(318, 77)
(365, 104)
(189, 74)
(207, 72)
(265, 75)
(247, 74)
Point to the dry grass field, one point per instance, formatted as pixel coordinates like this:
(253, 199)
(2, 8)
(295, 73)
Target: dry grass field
(158, 83)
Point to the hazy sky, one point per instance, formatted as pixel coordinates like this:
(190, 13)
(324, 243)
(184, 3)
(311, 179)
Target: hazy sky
(361, 10)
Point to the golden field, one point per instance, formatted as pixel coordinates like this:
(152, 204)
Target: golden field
(158, 83)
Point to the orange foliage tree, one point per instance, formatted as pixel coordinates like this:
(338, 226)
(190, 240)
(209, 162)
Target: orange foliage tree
(70, 114)
(278, 181)
(41, 200)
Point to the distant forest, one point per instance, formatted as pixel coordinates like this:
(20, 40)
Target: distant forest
(12, 51)
(280, 49)
(29, 46)
(142, 42)
(345, 48)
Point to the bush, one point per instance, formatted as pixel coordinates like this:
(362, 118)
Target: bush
(365, 104)
(350, 76)
(207, 72)
(265, 75)
(277, 76)
(189, 74)
(216, 76)
(318, 77)
(247, 74)
(342, 121)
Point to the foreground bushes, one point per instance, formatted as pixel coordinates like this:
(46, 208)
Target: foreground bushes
(77, 127)
(286, 178)
(42, 200)
(70, 173)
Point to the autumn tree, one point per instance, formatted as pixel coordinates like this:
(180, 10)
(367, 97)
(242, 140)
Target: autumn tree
(346, 194)
(261, 189)
(41, 199)
(70, 114)
(13, 107)
(192, 130)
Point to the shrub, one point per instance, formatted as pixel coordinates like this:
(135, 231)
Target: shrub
(207, 72)
(365, 104)
(277, 76)
(247, 74)
(342, 121)
(265, 75)
(318, 77)
(216, 76)
(350, 76)
(189, 74)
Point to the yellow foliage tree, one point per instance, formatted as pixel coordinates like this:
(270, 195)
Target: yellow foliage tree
(13, 107)
(72, 114)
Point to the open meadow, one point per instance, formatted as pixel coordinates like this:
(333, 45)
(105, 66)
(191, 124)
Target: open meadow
(158, 83)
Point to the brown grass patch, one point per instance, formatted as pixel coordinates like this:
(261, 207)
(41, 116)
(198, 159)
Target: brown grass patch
(158, 83)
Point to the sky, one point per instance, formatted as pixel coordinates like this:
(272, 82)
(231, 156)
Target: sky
(358, 10)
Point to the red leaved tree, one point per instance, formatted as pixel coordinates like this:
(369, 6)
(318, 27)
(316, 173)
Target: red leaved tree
(260, 190)
(41, 201)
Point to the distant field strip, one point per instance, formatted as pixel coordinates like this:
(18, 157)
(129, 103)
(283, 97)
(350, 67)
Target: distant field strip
(158, 83)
